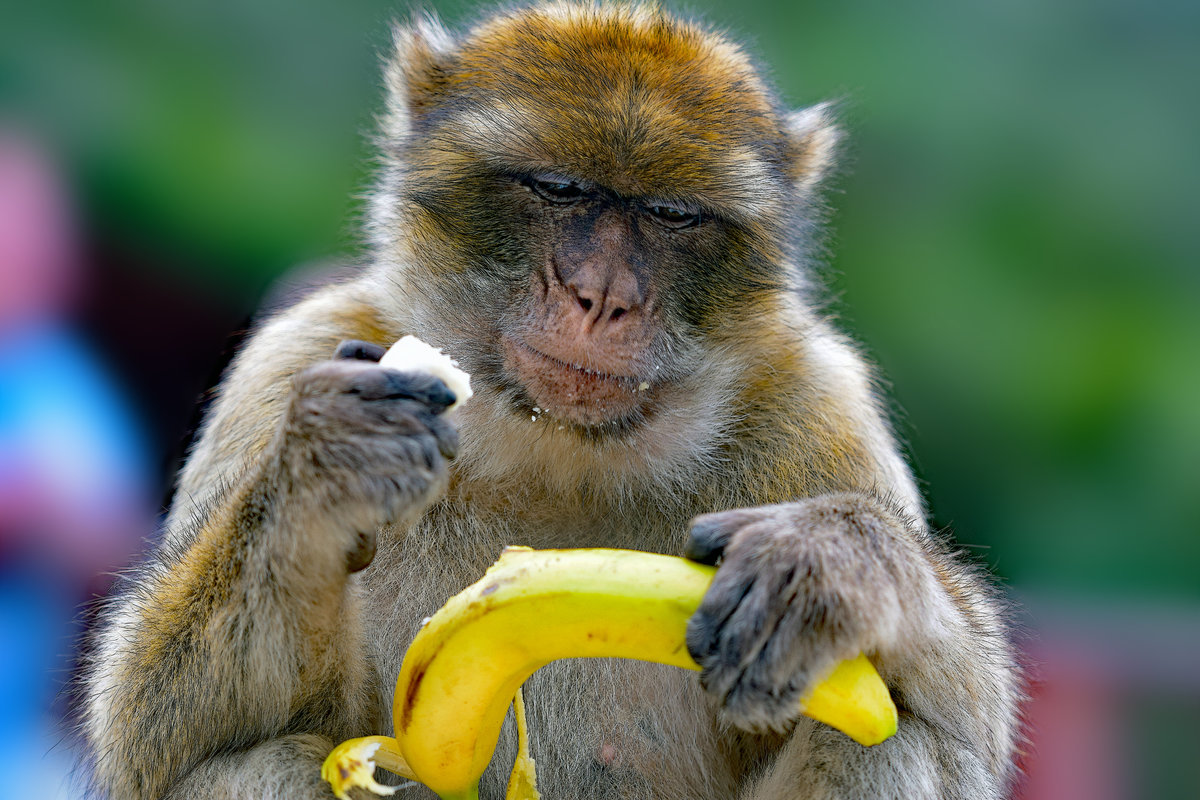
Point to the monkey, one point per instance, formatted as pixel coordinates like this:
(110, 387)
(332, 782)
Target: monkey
(607, 215)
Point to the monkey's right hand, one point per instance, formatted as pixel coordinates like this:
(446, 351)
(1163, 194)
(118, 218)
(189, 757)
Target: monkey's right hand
(368, 444)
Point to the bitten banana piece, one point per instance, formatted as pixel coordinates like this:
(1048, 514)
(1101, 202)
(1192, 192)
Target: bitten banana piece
(467, 661)
(352, 765)
(410, 354)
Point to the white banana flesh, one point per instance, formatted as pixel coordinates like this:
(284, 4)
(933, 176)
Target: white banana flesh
(410, 354)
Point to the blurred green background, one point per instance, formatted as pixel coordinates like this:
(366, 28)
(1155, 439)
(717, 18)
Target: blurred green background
(1016, 240)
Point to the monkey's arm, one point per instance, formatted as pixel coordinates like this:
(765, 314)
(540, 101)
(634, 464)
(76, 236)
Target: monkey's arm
(244, 627)
(236, 640)
(840, 562)
(808, 582)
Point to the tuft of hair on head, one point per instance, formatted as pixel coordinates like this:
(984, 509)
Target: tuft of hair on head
(413, 71)
(814, 137)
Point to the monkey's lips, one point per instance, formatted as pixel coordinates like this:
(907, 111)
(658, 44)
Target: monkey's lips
(574, 392)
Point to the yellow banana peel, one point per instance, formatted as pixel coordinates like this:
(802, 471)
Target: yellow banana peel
(536, 606)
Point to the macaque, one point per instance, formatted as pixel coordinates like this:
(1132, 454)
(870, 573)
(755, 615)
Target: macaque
(606, 216)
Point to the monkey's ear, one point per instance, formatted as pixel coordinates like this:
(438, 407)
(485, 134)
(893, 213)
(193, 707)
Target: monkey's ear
(813, 138)
(415, 72)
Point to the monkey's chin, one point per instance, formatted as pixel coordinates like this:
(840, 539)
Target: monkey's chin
(574, 393)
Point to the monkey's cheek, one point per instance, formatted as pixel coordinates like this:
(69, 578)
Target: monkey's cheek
(573, 393)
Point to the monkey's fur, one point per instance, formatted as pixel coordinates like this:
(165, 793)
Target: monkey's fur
(604, 215)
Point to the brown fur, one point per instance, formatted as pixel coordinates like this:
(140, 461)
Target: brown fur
(251, 642)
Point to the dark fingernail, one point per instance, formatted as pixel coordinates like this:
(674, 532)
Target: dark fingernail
(361, 554)
(440, 395)
(706, 542)
(358, 350)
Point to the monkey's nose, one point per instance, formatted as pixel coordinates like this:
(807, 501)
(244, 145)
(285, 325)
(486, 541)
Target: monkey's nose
(605, 296)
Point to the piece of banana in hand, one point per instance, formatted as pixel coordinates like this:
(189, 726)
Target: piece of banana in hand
(410, 354)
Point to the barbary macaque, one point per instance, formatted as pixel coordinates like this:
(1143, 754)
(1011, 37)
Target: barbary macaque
(605, 215)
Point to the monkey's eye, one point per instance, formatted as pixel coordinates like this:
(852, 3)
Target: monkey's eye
(673, 217)
(559, 192)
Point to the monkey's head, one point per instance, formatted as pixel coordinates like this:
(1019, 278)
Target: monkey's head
(600, 211)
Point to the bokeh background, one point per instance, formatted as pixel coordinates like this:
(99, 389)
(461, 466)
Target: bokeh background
(1016, 240)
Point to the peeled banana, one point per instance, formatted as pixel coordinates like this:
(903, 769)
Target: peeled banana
(468, 660)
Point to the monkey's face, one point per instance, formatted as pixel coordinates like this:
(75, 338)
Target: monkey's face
(589, 306)
(596, 205)
(591, 339)
(586, 304)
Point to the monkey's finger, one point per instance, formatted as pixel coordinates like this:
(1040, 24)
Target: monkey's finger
(429, 389)
(733, 624)
(744, 603)
(708, 628)
(390, 384)
(444, 433)
(710, 533)
(358, 350)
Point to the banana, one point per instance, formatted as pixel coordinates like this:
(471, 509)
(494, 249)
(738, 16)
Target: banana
(410, 354)
(468, 660)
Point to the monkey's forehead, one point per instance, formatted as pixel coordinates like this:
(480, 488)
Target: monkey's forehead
(625, 96)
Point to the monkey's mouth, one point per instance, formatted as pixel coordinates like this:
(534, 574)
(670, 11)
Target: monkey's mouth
(574, 392)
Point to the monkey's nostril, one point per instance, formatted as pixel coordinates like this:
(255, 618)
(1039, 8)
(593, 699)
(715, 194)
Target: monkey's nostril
(616, 314)
(587, 304)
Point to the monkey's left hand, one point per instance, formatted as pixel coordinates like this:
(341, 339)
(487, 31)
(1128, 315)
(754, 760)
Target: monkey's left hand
(800, 587)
